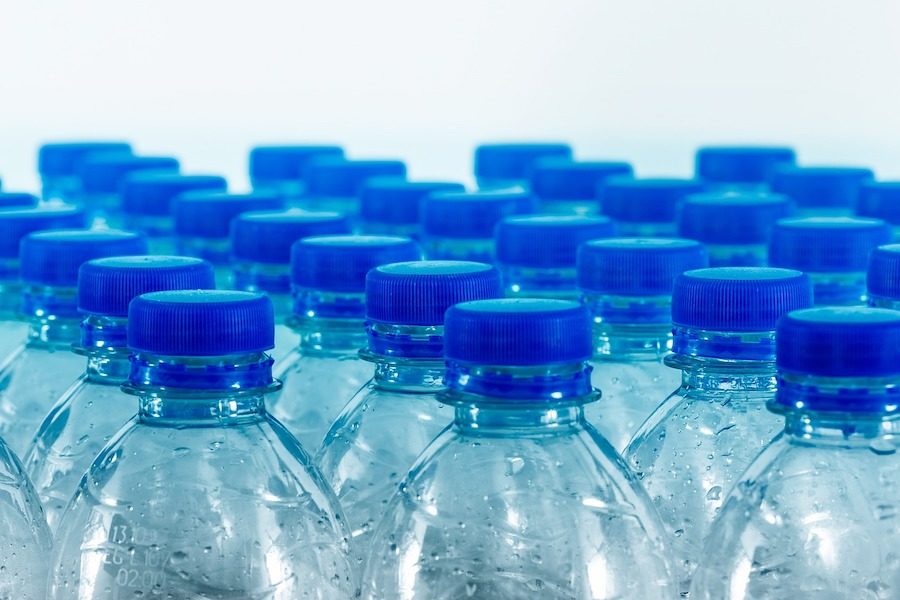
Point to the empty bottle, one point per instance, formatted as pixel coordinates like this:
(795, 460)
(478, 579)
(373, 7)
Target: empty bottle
(536, 254)
(821, 191)
(460, 225)
(506, 164)
(363, 457)
(697, 443)
(58, 164)
(883, 277)
(90, 412)
(519, 497)
(881, 200)
(281, 169)
(203, 494)
(833, 251)
(645, 207)
(626, 283)
(747, 168)
(334, 183)
(36, 375)
(102, 177)
(814, 515)
(147, 203)
(324, 370)
(569, 187)
(261, 256)
(734, 227)
(391, 205)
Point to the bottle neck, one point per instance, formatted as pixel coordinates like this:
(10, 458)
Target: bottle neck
(270, 278)
(104, 342)
(518, 420)
(830, 400)
(724, 375)
(388, 342)
(410, 376)
(312, 304)
(215, 250)
(629, 310)
(566, 384)
(53, 317)
(839, 289)
(540, 282)
(738, 255)
(884, 302)
(752, 346)
(631, 342)
(319, 335)
(215, 377)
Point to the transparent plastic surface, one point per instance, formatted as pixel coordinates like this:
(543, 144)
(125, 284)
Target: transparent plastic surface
(478, 250)
(749, 255)
(527, 282)
(638, 229)
(568, 207)
(12, 336)
(839, 289)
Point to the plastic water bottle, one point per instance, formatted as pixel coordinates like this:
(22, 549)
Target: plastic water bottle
(58, 164)
(506, 164)
(460, 225)
(363, 457)
(833, 251)
(747, 168)
(694, 446)
(569, 187)
(814, 515)
(536, 254)
(645, 207)
(147, 203)
(883, 277)
(90, 412)
(38, 373)
(519, 497)
(203, 494)
(281, 168)
(203, 225)
(881, 200)
(734, 227)
(102, 178)
(626, 283)
(334, 183)
(261, 254)
(390, 205)
(821, 191)
(324, 370)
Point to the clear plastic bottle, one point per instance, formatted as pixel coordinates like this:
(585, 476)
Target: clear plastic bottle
(333, 183)
(35, 376)
(883, 277)
(569, 187)
(833, 251)
(734, 227)
(626, 283)
(519, 497)
(90, 412)
(645, 207)
(505, 164)
(741, 168)
(391, 205)
(324, 370)
(814, 516)
(261, 255)
(881, 200)
(147, 200)
(821, 191)
(58, 164)
(203, 494)
(696, 444)
(536, 253)
(460, 225)
(281, 169)
(363, 457)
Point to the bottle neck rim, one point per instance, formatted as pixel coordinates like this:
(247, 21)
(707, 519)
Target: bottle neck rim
(198, 377)
(543, 385)
(387, 342)
(747, 346)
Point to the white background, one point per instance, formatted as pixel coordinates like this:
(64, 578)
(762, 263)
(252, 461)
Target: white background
(643, 80)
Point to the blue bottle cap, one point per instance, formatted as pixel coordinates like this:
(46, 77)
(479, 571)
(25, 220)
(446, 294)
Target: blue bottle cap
(103, 173)
(645, 200)
(567, 179)
(472, 215)
(738, 299)
(208, 214)
(107, 285)
(396, 200)
(513, 161)
(880, 200)
(201, 323)
(820, 187)
(278, 163)
(741, 164)
(883, 278)
(17, 223)
(547, 241)
(52, 258)
(17, 200)
(517, 332)
(420, 292)
(344, 178)
(637, 266)
(267, 236)
(732, 218)
(62, 159)
(152, 193)
(340, 263)
(826, 244)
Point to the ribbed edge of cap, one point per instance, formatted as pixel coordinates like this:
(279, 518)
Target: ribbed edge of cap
(208, 214)
(107, 285)
(63, 158)
(730, 218)
(880, 200)
(883, 278)
(153, 193)
(103, 173)
(287, 162)
(514, 160)
(420, 292)
(201, 323)
(472, 214)
(566, 179)
(738, 298)
(17, 200)
(741, 164)
(820, 186)
(826, 244)
(53, 258)
(341, 177)
(547, 241)
(517, 332)
(637, 266)
(16, 224)
(340, 263)
(396, 200)
(267, 236)
(645, 200)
